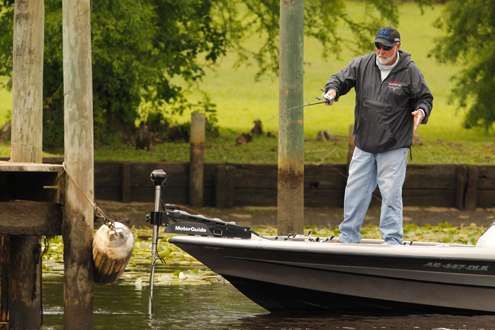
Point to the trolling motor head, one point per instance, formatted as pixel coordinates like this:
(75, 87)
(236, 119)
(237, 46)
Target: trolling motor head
(159, 177)
(176, 220)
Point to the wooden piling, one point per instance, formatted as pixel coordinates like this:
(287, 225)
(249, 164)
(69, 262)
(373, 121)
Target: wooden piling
(25, 310)
(461, 174)
(24, 288)
(290, 190)
(471, 199)
(79, 165)
(27, 81)
(4, 280)
(224, 186)
(125, 183)
(196, 167)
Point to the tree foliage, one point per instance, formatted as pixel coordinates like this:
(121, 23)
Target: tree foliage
(138, 49)
(469, 27)
(324, 20)
(147, 54)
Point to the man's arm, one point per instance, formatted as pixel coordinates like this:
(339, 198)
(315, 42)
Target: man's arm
(422, 97)
(342, 81)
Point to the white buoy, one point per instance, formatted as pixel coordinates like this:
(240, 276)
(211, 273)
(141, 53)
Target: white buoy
(112, 249)
(487, 240)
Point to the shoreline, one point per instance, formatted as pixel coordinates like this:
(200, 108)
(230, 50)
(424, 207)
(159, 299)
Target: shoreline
(133, 215)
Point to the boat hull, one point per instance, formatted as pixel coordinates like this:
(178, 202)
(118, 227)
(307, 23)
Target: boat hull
(352, 278)
(280, 298)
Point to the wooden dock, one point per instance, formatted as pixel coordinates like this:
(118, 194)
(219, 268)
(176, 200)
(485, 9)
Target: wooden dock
(33, 211)
(32, 194)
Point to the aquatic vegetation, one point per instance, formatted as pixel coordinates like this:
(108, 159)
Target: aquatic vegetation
(179, 268)
(443, 232)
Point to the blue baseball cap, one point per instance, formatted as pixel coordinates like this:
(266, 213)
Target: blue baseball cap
(387, 36)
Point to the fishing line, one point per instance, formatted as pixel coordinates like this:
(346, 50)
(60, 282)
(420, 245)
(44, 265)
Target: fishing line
(321, 101)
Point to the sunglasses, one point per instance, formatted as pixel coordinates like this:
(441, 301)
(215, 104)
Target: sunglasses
(381, 46)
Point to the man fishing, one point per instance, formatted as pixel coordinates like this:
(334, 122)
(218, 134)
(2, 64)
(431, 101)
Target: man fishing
(392, 99)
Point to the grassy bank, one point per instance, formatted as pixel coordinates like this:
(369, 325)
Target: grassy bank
(241, 99)
(5, 103)
(264, 150)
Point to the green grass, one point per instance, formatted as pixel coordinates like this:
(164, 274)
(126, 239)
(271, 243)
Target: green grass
(5, 104)
(241, 100)
(264, 150)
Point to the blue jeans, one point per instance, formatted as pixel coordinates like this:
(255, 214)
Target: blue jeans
(366, 171)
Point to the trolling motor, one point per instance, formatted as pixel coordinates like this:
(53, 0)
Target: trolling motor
(159, 178)
(179, 221)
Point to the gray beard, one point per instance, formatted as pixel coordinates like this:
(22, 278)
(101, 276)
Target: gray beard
(385, 60)
(382, 66)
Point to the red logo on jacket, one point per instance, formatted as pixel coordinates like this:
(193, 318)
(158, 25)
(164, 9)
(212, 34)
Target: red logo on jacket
(395, 85)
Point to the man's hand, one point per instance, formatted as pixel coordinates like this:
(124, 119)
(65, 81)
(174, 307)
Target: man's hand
(418, 116)
(329, 96)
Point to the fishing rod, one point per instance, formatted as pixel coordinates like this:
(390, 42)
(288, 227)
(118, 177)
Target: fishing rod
(323, 100)
(320, 100)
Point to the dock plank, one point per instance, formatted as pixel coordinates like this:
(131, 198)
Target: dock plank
(6, 166)
(21, 217)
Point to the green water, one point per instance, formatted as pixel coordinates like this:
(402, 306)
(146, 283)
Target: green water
(220, 306)
(211, 306)
(190, 296)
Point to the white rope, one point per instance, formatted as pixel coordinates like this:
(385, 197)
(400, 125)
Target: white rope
(99, 213)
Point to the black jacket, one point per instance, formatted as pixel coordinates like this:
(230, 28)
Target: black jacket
(383, 119)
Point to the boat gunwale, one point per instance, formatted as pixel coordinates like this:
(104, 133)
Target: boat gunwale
(439, 252)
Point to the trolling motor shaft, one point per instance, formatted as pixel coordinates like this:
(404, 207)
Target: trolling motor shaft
(177, 221)
(159, 177)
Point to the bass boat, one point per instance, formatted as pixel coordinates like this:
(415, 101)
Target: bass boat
(304, 273)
